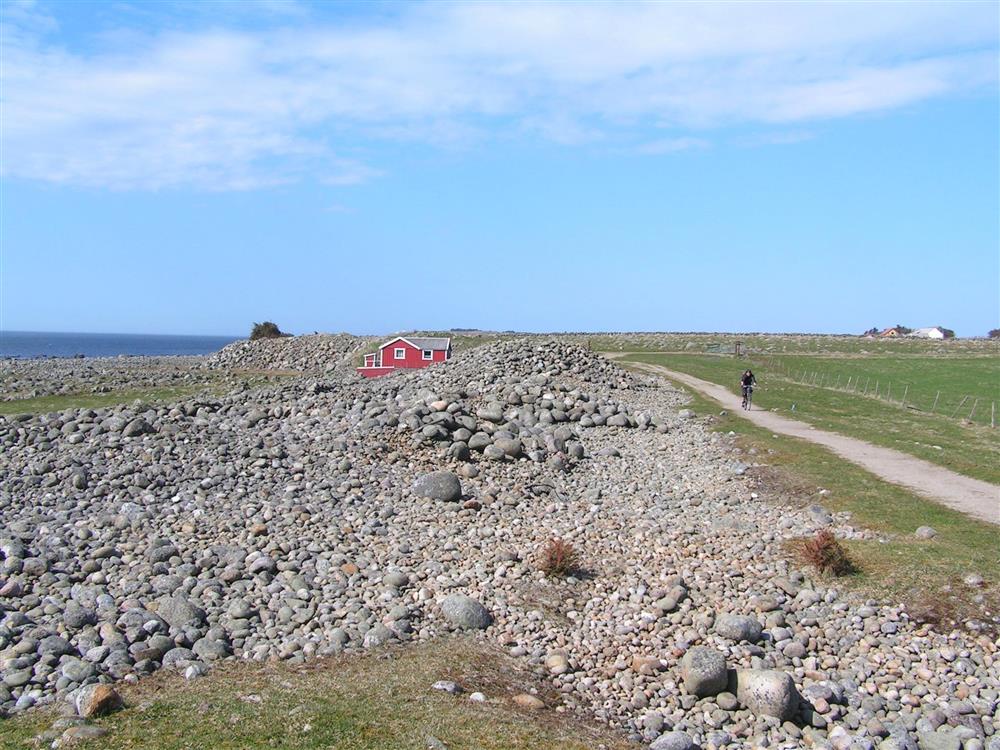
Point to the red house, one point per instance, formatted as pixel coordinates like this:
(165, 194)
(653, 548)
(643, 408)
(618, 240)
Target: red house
(405, 353)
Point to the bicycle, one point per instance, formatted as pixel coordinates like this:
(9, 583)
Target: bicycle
(747, 396)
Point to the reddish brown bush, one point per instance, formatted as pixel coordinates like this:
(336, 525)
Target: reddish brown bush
(558, 558)
(826, 554)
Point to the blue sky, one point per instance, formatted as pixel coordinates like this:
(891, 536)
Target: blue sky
(194, 167)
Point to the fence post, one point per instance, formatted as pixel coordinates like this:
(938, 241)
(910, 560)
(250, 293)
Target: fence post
(993, 415)
(936, 397)
(876, 389)
(974, 405)
(888, 392)
(905, 391)
(960, 405)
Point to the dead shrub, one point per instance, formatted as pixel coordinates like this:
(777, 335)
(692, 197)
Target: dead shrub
(826, 554)
(558, 558)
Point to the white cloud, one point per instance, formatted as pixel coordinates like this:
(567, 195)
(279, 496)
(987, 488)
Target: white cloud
(561, 128)
(245, 106)
(670, 145)
(775, 138)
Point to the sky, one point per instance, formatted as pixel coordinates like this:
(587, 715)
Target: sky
(194, 167)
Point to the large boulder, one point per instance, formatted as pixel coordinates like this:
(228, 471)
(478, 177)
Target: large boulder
(768, 692)
(703, 670)
(439, 485)
(465, 612)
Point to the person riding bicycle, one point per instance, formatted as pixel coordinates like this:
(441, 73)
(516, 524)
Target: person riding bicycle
(748, 381)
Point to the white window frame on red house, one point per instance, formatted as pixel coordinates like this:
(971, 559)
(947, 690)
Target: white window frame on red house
(427, 354)
(399, 353)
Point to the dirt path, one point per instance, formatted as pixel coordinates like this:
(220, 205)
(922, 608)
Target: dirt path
(971, 496)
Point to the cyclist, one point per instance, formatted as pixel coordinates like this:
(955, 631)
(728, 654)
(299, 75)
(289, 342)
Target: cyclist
(747, 382)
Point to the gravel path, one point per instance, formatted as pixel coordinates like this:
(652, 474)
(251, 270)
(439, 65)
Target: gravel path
(971, 496)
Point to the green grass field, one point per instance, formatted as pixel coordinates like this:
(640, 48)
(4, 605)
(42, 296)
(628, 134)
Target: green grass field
(48, 404)
(217, 386)
(972, 449)
(382, 700)
(759, 344)
(926, 575)
(955, 386)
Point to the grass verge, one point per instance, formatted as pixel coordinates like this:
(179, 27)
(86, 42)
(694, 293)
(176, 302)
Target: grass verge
(378, 701)
(925, 575)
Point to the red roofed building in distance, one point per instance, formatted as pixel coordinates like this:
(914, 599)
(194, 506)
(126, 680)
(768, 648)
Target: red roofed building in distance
(405, 353)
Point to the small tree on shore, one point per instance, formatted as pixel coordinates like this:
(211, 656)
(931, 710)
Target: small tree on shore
(266, 330)
(994, 333)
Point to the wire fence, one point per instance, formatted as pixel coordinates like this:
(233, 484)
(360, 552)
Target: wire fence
(967, 408)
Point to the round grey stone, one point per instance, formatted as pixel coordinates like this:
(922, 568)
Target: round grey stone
(465, 612)
(177, 611)
(77, 670)
(673, 741)
(210, 650)
(178, 657)
(438, 485)
(703, 670)
(767, 692)
(55, 645)
(378, 636)
(17, 679)
(396, 579)
(938, 741)
(738, 627)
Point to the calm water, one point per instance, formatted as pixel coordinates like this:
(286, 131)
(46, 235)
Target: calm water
(26, 344)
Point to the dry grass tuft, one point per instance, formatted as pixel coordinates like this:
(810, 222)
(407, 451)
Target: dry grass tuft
(558, 558)
(826, 554)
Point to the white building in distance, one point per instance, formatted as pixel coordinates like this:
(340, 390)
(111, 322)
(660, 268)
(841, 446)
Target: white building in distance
(929, 333)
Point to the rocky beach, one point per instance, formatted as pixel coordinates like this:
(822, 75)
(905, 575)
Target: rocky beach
(325, 513)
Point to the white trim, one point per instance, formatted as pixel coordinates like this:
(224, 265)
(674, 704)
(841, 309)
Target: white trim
(398, 338)
(399, 353)
(403, 338)
(427, 355)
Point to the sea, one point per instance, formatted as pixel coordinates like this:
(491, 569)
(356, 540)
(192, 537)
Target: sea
(31, 344)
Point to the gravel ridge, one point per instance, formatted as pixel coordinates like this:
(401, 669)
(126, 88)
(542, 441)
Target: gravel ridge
(295, 519)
